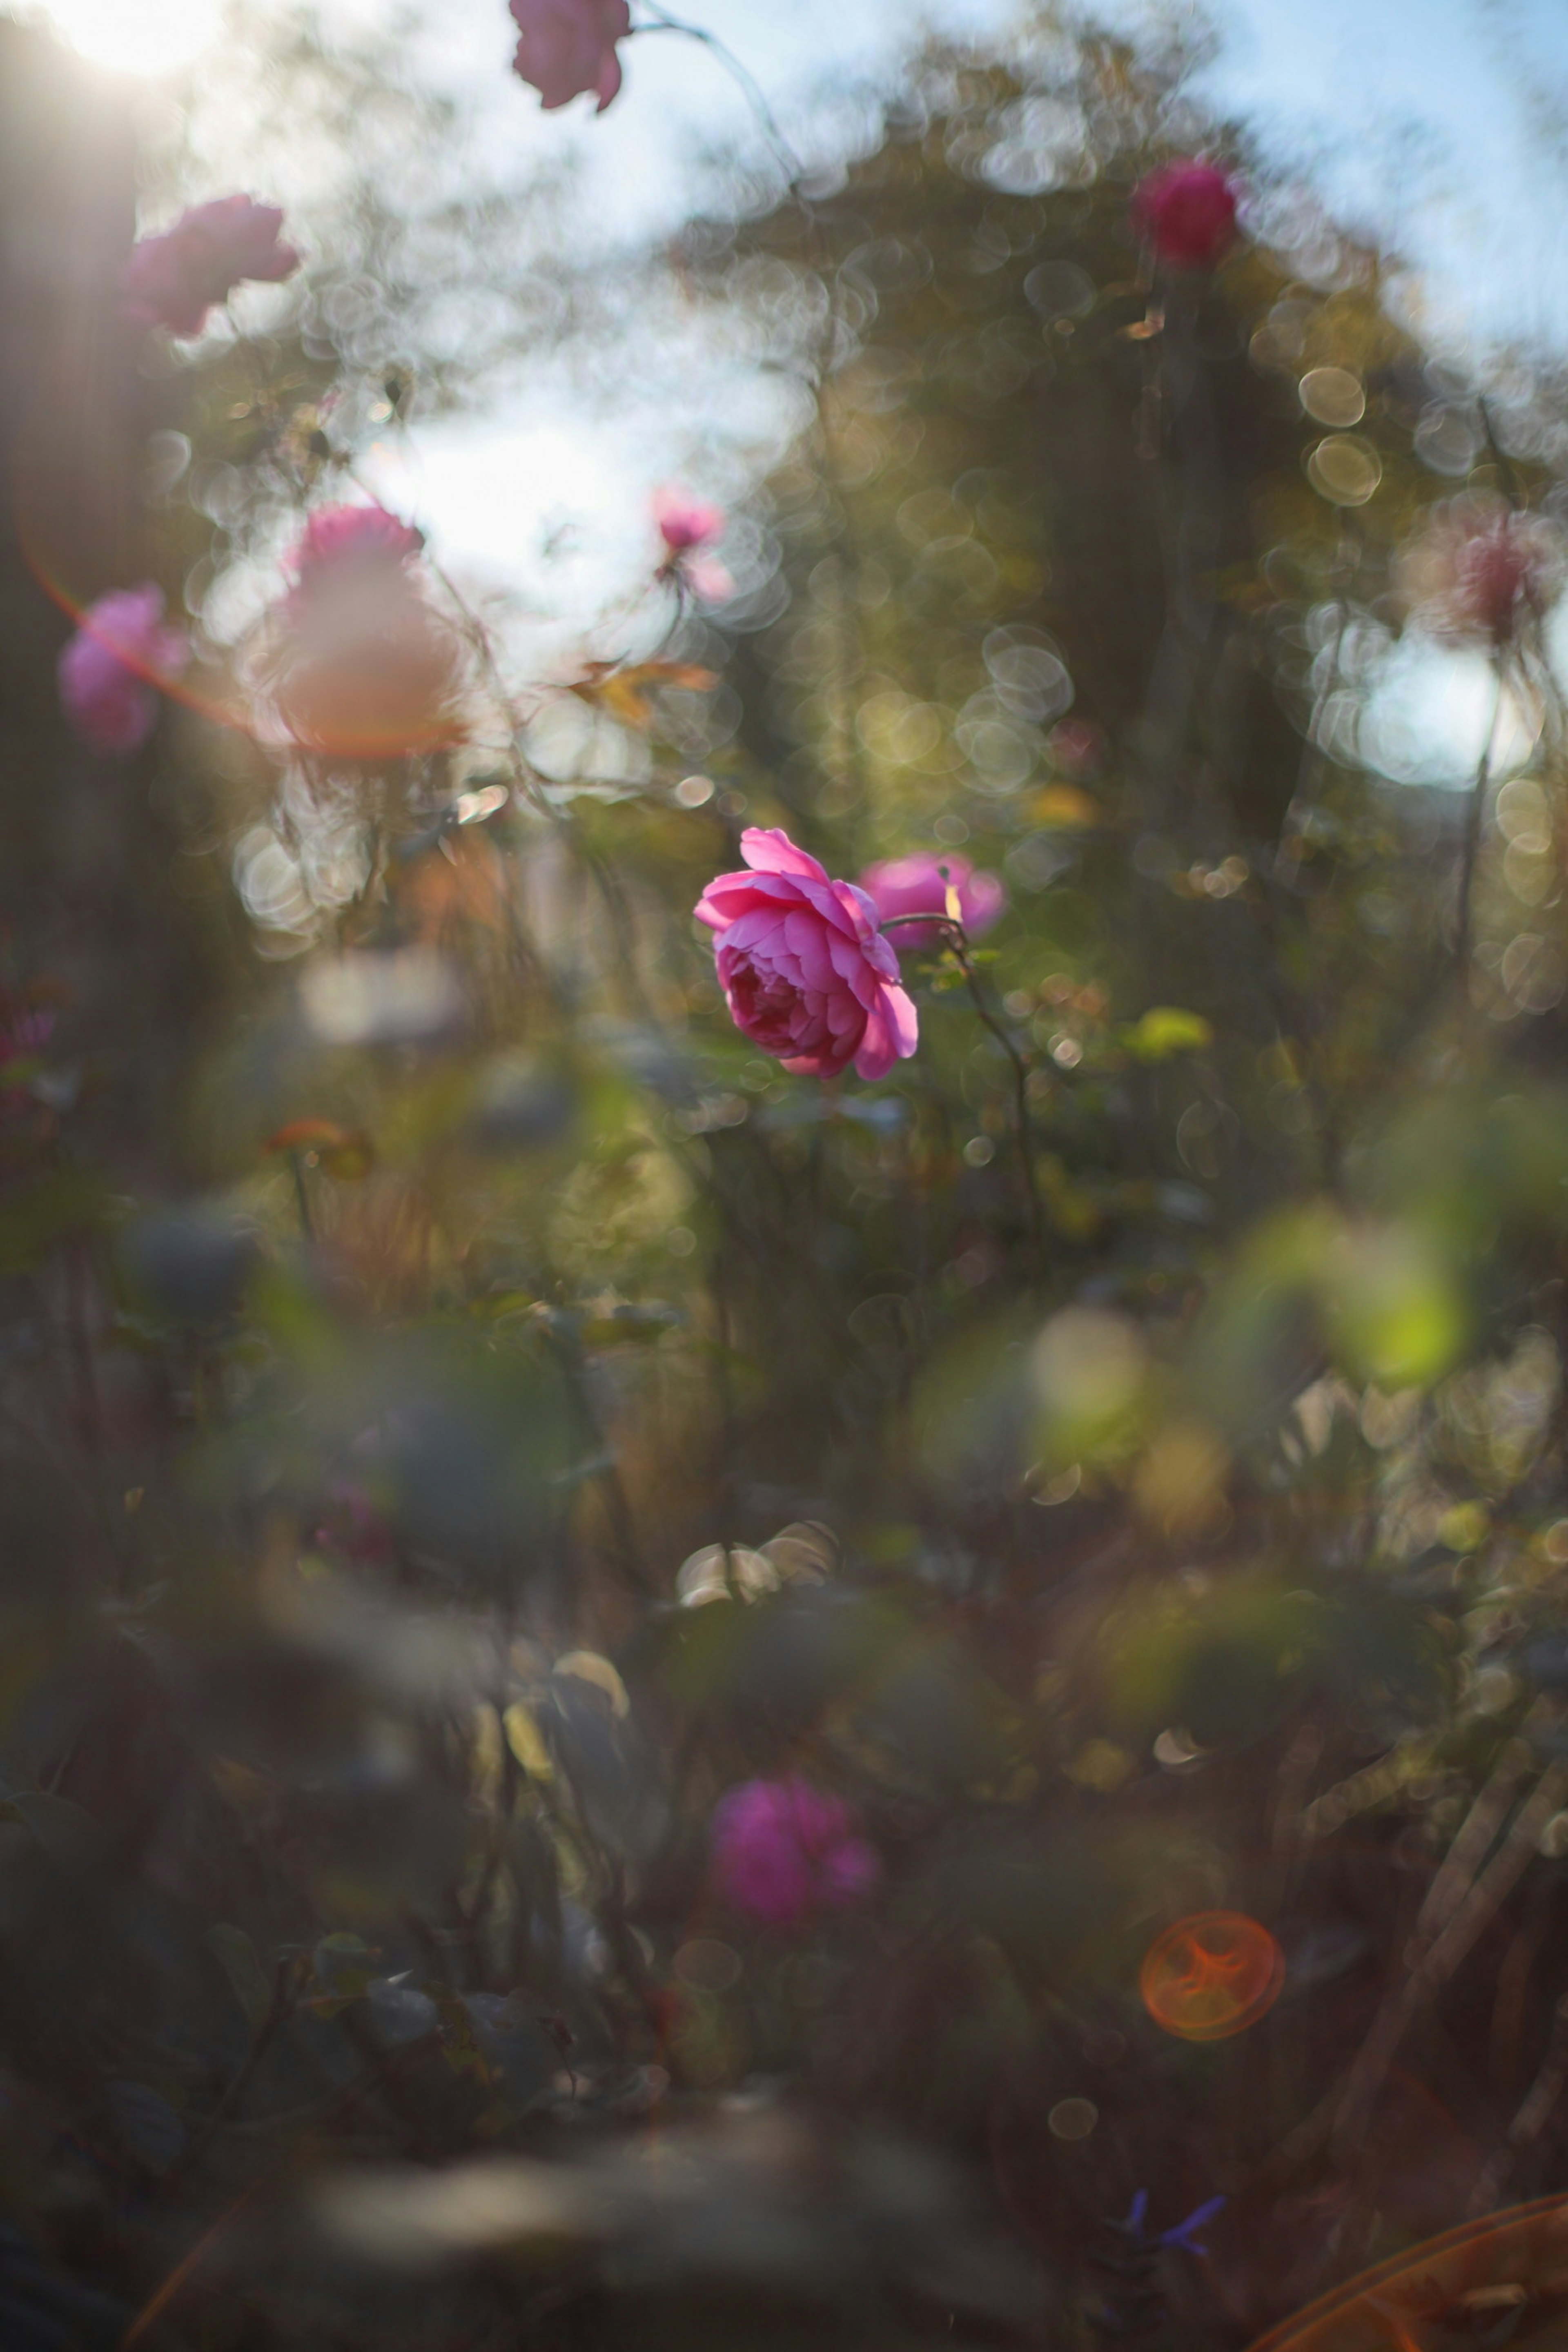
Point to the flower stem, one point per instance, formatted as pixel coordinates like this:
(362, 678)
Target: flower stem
(956, 938)
(663, 22)
(1464, 932)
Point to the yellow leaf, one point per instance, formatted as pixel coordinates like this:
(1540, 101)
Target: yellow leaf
(626, 692)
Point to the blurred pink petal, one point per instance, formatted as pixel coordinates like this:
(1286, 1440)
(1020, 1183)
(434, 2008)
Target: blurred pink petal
(109, 670)
(567, 47)
(917, 884)
(1187, 211)
(173, 279)
(784, 1849)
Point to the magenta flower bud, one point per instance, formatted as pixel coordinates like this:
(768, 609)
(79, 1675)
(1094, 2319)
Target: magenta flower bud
(173, 279)
(804, 969)
(1187, 211)
(784, 1849)
(919, 883)
(567, 47)
(108, 672)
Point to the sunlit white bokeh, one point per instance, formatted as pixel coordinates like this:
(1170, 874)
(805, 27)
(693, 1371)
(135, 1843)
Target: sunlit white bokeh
(1431, 711)
(139, 36)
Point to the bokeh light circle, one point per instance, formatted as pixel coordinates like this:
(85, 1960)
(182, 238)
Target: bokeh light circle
(1211, 1975)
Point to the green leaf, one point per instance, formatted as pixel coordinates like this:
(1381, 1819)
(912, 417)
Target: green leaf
(1165, 1030)
(235, 1955)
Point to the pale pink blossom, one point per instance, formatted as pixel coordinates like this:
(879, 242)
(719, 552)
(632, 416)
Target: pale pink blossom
(1187, 211)
(805, 970)
(784, 1849)
(363, 665)
(567, 47)
(108, 672)
(1480, 569)
(919, 885)
(689, 525)
(173, 279)
(685, 522)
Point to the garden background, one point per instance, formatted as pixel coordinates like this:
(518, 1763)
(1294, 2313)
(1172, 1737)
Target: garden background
(783, 1175)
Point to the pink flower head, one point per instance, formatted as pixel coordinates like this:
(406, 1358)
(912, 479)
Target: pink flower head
(364, 663)
(804, 970)
(172, 280)
(1187, 211)
(784, 1849)
(1480, 569)
(919, 885)
(687, 525)
(108, 669)
(336, 536)
(568, 46)
(684, 521)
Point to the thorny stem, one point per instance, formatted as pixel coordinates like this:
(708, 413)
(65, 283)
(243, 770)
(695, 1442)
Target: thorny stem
(955, 938)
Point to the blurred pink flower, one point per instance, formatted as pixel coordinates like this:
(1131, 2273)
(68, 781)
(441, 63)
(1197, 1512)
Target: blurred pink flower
(805, 972)
(685, 522)
(784, 1849)
(350, 534)
(173, 279)
(1187, 211)
(1479, 569)
(917, 884)
(687, 525)
(108, 671)
(568, 46)
(364, 663)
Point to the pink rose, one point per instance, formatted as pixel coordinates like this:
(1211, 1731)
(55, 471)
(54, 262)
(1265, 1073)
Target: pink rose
(784, 1849)
(108, 671)
(172, 280)
(917, 884)
(567, 47)
(805, 972)
(338, 535)
(1187, 211)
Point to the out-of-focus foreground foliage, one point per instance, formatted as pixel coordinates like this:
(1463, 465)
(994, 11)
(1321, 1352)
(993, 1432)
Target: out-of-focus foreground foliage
(491, 1412)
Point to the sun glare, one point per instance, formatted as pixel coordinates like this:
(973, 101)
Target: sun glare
(139, 36)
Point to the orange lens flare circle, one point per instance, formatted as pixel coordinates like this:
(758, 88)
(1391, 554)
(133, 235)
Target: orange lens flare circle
(1211, 1975)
